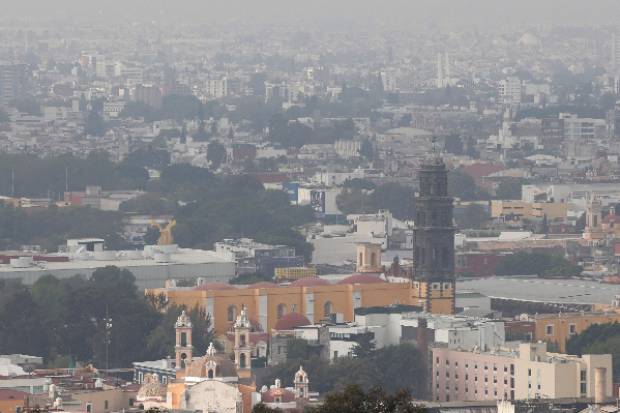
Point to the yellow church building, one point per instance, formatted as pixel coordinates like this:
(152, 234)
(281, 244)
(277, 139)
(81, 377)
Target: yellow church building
(313, 297)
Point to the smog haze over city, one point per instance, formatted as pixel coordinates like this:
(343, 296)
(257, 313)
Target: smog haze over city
(285, 206)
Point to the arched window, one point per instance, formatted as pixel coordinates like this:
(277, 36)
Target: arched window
(183, 339)
(183, 357)
(373, 259)
(281, 310)
(232, 313)
(328, 308)
(242, 340)
(210, 374)
(360, 260)
(242, 360)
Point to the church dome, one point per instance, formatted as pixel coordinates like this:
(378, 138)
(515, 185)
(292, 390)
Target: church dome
(290, 321)
(362, 279)
(214, 286)
(263, 284)
(309, 282)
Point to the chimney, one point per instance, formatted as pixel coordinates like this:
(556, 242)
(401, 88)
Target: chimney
(600, 385)
(422, 342)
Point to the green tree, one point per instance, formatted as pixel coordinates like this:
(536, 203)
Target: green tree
(464, 187)
(263, 408)
(598, 339)
(95, 125)
(509, 188)
(367, 150)
(473, 216)
(216, 154)
(364, 346)
(353, 399)
(537, 263)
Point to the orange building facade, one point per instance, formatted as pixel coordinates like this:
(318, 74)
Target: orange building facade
(557, 329)
(314, 298)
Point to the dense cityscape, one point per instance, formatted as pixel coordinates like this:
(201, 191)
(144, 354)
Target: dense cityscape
(344, 212)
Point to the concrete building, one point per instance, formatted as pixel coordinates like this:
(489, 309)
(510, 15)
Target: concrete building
(557, 329)
(510, 91)
(217, 88)
(526, 372)
(396, 324)
(519, 210)
(152, 267)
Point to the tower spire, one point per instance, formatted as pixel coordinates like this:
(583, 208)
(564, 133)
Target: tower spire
(433, 238)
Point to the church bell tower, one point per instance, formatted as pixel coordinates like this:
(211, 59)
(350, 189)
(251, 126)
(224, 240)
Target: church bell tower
(433, 239)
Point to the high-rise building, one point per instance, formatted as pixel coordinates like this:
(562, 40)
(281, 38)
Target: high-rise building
(433, 239)
(615, 53)
(11, 83)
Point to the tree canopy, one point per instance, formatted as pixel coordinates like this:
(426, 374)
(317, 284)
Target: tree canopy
(63, 320)
(598, 339)
(538, 263)
(397, 198)
(393, 368)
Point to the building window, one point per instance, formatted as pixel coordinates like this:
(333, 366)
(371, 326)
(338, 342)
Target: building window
(232, 313)
(281, 310)
(105, 405)
(549, 330)
(89, 408)
(572, 329)
(328, 308)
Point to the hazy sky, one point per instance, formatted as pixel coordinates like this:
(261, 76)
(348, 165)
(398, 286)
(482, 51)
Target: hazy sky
(442, 11)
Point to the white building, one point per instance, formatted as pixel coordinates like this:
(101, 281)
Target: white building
(152, 267)
(510, 90)
(217, 88)
(394, 325)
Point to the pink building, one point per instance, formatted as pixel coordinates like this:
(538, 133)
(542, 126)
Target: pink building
(524, 372)
(462, 375)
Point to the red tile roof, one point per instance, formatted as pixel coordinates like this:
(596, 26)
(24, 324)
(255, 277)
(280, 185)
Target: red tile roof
(309, 282)
(290, 321)
(480, 170)
(362, 279)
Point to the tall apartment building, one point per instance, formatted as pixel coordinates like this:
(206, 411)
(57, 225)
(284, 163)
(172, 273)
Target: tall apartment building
(517, 374)
(217, 88)
(510, 91)
(11, 83)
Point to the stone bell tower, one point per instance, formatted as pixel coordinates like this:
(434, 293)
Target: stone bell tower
(183, 348)
(243, 347)
(301, 383)
(433, 239)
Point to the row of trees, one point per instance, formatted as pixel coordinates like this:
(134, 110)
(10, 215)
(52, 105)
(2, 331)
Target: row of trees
(394, 369)
(65, 320)
(353, 399)
(218, 206)
(31, 176)
(51, 227)
(361, 198)
(538, 263)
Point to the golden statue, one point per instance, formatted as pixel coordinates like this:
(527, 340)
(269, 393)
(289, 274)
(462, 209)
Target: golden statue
(165, 232)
